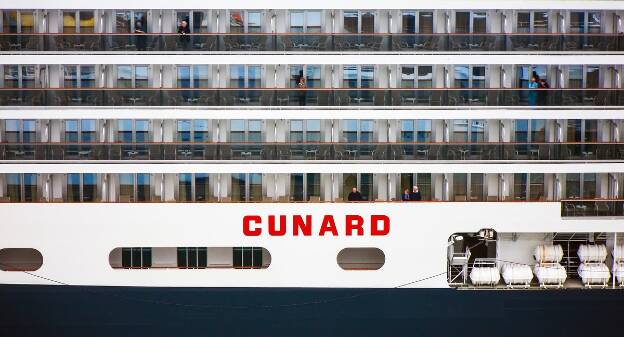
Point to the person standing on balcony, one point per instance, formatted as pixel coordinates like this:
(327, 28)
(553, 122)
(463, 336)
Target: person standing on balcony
(406, 195)
(301, 84)
(141, 41)
(355, 195)
(533, 86)
(543, 94)
(184, 31)
(415, 195)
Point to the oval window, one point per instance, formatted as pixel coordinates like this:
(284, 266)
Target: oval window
(20, 259)
(368, 258)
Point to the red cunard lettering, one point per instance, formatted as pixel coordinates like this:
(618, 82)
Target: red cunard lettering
(281, 231)
(328, 225)
(303, 225)
(300, 225)
(354, 222)
(385, 225)
(247, 220)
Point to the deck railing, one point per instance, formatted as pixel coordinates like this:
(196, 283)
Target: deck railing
(187, 151)
(310, 42)
(312, 97)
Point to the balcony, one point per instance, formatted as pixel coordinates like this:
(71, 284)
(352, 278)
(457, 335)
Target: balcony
(315, 97)
(305, 42)
(314, 151)
(592, 208)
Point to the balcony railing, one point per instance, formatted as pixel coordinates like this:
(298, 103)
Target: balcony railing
(313, 151)
(245, 97)
(305, 42)
(592, 208)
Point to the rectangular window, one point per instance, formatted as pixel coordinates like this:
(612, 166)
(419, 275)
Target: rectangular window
(366, 186)
(350, 76)
(11, 76)
(538, 130)
(73, 187)
(143, 187)
(89, 187)
(124, 76)
(296, 131)
(185, 187)
(536, 187)
(460, 186)
(520, 186)
(573, 185)
(247, 257)
(589, 185)
(366, 132)
(313, 130)
(296, 186)
(313, 185)
(136, 257)
(14, 187)
(425, 22)
(126, 187)
(239, 192)
(202, 187)
(237, 130)
(423, 181)
(30, 187)
(408, 22)
(351, 22)
(476, 186)
(192, 257)
(407, 131)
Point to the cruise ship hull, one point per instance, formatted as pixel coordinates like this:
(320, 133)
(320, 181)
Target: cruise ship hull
(38, 310)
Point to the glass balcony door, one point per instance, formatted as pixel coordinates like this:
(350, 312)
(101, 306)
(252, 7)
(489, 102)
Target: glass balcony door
(304, 186)
(363, 182)
(193, 187)
(131, 21)
(193, 130)
(20, 76)
(532, 22)
(529, 131)
(357, 131)
(81, 187)
(468, 130)
(417, 22)
(196, 20)
(470, 22)
(18, 21)
(78, 22)
(79, 76)
(410, 180)
(245, 21)
(19, 131)
(305, 131)
(359, 22)
(416, 130)
(247, 187)
(585, 22)
(134, 187)
(22, 187)
(132, 76)
(306, 21)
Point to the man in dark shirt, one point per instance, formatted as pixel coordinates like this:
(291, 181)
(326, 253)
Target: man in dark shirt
(354, 195)
(415, 195)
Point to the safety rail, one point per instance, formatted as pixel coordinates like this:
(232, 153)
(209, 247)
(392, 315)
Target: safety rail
(310, 42)
(285, 97)
(288, 151)
(585, 208)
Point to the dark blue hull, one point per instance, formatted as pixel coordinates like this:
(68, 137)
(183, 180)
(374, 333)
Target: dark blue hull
(55, 311)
